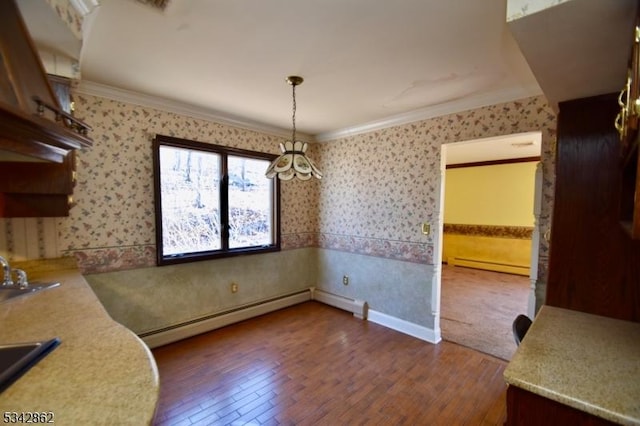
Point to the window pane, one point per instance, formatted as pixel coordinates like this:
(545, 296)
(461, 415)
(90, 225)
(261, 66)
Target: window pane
(250, 203)
(189, 187)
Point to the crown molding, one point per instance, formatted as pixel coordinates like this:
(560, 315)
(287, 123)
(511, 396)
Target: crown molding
(459, 105)
(468, 103)
(117, 94)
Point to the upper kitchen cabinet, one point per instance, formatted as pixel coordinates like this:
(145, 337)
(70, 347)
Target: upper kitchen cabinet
(33, 126)
(594, 266)
(627, 122)
(630, 197)
(38, 132)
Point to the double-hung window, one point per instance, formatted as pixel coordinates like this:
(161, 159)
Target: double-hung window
(212, 201)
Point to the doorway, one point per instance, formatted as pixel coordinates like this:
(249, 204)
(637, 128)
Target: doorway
(479, 290)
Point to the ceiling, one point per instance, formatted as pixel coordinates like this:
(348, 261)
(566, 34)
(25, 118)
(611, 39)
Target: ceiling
(366, 63)
(362, 60)
(579, 48)
(523, 145)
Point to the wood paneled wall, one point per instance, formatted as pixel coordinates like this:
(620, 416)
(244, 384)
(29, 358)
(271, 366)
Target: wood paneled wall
(594, 266)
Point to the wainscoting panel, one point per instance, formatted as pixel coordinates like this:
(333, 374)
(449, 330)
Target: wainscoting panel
(146, 300)
(396, 288)
(493, 248)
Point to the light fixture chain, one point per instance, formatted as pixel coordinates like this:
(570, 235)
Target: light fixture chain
(293, 163)
(293, 138)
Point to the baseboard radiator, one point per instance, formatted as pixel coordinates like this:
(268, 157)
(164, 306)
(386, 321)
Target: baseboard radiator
(359, 308)
(489, 265)
(191, 328)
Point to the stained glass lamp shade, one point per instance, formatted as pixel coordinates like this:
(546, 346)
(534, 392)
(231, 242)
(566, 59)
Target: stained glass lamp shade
(293, 162)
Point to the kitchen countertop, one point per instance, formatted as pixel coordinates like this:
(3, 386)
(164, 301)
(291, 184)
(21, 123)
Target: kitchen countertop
(101, 373)
(588, 362)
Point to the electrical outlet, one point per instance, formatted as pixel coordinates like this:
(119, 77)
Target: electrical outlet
(345, 279)
(234, 288)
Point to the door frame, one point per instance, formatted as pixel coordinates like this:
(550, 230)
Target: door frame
(439, 237)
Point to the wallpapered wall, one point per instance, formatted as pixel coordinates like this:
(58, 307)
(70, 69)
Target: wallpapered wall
(112, 226)
(112, 229)
(69, 15)
(517, 9)
(380, 186)
(363, 219)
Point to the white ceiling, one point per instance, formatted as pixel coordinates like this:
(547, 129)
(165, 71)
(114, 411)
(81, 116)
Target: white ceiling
(522, 145)
(578, 48)
(362, 60)
(366, 63)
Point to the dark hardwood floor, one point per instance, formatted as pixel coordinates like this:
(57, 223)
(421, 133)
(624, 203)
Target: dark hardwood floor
(312, 364)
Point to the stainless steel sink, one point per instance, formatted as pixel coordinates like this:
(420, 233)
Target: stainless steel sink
(9, 292)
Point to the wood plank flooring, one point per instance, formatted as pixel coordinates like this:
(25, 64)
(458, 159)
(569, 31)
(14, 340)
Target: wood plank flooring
(312, 364)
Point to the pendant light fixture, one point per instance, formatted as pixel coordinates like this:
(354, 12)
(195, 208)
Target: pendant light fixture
(293, 162)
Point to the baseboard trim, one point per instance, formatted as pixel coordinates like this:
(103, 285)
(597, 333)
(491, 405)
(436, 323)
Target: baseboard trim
(359, 309)
(177, 332)
(510, 268)
(406, 327)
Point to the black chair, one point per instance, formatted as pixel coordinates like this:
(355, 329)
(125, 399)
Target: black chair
(520, 326)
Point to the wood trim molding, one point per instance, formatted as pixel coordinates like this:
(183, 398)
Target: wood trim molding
(494, 162)
(121, 95)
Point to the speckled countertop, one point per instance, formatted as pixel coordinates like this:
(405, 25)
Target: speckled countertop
(101, 373)
(587, 362)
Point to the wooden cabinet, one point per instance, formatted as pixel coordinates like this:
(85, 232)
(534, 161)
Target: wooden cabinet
(32, 123)
(528, 409)
(627, 123)
(37, 189)
(40, 189)
(630, 192)
(38, 133)
(594, 266)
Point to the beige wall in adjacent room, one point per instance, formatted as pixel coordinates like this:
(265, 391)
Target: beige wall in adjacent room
(493, 203)
(499, 194)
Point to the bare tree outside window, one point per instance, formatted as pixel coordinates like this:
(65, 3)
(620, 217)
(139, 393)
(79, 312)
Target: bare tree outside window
(212, 201)
(249, 203)
(190, 200)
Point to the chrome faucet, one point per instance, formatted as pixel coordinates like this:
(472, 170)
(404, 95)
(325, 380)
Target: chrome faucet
(22, 278)
(6, 272)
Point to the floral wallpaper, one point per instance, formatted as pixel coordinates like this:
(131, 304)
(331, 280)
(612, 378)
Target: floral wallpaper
(112, 226)
(377, 191)
(517, 9)
(69, 16)
(379, 187)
